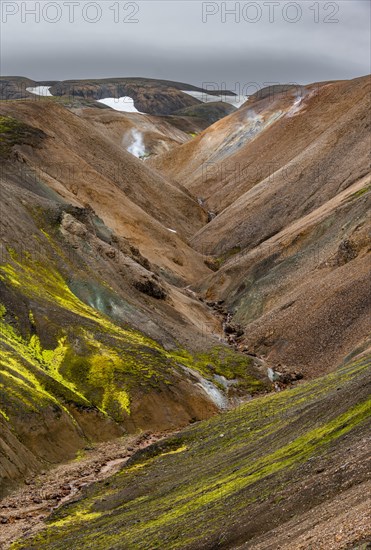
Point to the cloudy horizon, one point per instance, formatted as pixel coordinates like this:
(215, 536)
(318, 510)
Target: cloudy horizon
(235, 43)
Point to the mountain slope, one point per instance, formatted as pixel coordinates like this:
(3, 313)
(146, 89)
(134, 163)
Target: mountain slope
(149, 295)
(290, 138)
(121, 189)
(89, 339)
(309, 157)
(232, 481)
(152, 96)
(303, 294)
(289, 188)
(96, 339)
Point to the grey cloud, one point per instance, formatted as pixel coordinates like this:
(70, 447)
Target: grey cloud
(171, 41)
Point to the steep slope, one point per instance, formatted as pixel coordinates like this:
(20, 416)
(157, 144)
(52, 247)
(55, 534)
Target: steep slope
(123, 280)
(210, 112)
(277, 137)
(15, 87)
(196, 160)
(303, 160)
(96, 340)
(85, 167)
(289, 188)
(74, 365)
(238, 479)
(303, 295)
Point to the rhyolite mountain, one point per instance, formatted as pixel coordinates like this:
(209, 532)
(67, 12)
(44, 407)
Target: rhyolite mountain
(152, 96)
(155, 292)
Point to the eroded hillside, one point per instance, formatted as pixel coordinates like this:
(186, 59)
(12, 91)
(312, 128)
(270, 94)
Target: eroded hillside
(100, 333)
(287, 179)
(155, 273)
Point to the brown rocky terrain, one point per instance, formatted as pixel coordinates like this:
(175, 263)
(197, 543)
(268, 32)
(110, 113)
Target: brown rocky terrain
(155, 271)
(289, 470)
(290, 188)
(94, 268)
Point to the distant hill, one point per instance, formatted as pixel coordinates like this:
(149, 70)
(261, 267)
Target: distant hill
(156, 97)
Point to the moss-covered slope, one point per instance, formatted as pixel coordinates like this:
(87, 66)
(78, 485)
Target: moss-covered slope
(231, 479)
(73, 368)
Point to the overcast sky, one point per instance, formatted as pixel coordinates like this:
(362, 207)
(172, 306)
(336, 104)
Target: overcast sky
(187, 40)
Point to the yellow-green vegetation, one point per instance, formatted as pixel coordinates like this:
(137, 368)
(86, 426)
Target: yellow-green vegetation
(2, 310)
(81, 516)
(193, 489)
(29, 375)
(222, 361)
(93, 362)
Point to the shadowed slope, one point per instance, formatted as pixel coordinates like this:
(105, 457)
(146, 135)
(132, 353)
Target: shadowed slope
(89, 339)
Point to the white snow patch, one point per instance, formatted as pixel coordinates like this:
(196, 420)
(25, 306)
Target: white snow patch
(40, 90)
(234, 100)
(123, 104)
(137, 148)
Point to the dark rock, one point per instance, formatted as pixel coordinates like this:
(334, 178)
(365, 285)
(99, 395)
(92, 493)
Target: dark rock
(151, 288)
(230, 329)
(347, 251)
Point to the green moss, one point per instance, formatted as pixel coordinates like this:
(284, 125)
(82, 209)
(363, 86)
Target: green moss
(78, 517)
(80, 455)
(181, 490)
(31, 317)
(223, 361)
(4, 415)
(115, 361)
(25, 371)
